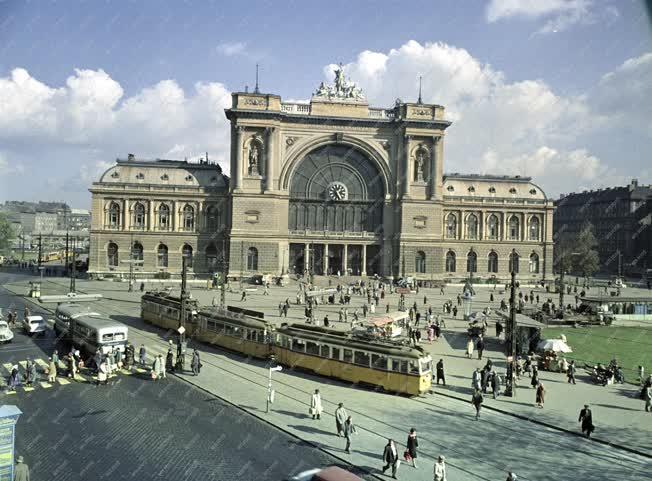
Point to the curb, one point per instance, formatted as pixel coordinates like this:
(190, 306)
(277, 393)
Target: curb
(551, 426)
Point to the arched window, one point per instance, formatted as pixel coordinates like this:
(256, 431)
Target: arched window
(534, 263)
(472, 262)
(450, 261)
(187, 253)
(188, 218)
(137, 251)
(164, 217)
(420, 263)
(492, 262)
(451, 226)
(534, 228)
(252, 259)
(114, 215)
(472, 227)
(212, 218)
(112, 254)
(492, 227)
(513, 262)
(514, 228)
(162, 255)
(139, 216)
(211, 258)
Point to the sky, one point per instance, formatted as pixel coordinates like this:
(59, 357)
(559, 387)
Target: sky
(559, 90)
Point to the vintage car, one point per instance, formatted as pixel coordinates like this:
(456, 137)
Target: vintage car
(6, 334)
(332, 473)
(34, 325)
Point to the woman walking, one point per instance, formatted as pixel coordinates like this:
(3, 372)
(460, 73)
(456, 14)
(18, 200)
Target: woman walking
(102, 374)
(52, 371)
(469, 348)
(412, 445)
(541, 392)
(535, 377)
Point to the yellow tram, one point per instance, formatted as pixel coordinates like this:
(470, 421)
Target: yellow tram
(388, 365)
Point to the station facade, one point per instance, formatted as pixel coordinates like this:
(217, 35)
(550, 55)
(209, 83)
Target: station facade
(326, 187)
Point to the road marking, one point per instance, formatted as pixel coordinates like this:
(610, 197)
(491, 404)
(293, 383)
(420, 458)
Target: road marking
(62, 381)
(45, 385)
(11, 392)
(23, 364)
(41, 362)
(7, 367)
(28, 388)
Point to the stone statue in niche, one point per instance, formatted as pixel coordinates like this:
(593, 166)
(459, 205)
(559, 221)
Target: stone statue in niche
(420, 160)
(254, 155)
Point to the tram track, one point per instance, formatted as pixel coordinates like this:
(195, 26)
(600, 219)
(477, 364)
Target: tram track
(256, 377)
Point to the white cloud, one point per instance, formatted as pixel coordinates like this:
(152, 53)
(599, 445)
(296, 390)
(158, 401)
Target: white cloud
(232, 48)
(8, 168)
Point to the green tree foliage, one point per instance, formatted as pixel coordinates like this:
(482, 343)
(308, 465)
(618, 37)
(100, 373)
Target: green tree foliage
(7, 234)
(587, 260)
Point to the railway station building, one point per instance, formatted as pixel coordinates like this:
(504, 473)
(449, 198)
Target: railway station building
(326, 187)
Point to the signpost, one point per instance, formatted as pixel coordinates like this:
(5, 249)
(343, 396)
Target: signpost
(8, 417)
(270, 391)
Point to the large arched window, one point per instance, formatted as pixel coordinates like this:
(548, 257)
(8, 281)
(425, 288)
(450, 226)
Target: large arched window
(252, 259)
(451, 226)
(472, 227)
(186, 252)
(139, 216)
(493, 227)
(513, 262)
(514, 228)
(450, 262)
(472, 262)
(188, 218)
(211, 258)
(164, 217)
(114, 215)
(534, 228)
(492, 262)
(212, 218)
(112, 254)
(420, 263)
(137, 251)
(534, 263)
(162, 255)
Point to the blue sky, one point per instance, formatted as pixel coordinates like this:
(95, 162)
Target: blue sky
(82, 82)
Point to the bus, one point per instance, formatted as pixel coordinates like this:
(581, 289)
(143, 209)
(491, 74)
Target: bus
(89, 331)
(66, 312)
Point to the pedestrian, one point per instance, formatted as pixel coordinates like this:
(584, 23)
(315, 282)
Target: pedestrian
(477, 401)
(491, 297)
(440, 372)
(349, 431)
(454, 311)
(156, 368)
(480, 346)
(280, 309)
(102, 374)
(540, 395)
(412, 445)
(169, 361)
(72, 366)
(511, 476)
(495, 384)
(55, 357)
(641, 374)
(499, 328)
(162, 373)
(117, 356)
(648, 399)
(28, 372)
(130, 353)
(340, 418)
(570, 372)
(586, 418)
(315, 405)
(469, 347)
(14, 378)
(244, 296)
(476, 379)
(440, 469)
(195, 364)
(142, 287)
(21, 470)
(142, 354)
(52, 371)
(32, 373)
(390, 457)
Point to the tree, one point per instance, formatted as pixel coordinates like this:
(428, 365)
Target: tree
(587, 260)
(6, 234)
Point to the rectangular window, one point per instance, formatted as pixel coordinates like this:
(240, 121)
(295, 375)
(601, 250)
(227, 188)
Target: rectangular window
(348, 355)
(414, 367)
(312, 348)
(335, 353)
(361, 358)
(426, 367)
(325, 351)
(298, 345)
(378, 362)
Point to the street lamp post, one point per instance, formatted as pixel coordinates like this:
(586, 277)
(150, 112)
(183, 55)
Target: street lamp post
(510, 382)
(181, 345)
(270, 391)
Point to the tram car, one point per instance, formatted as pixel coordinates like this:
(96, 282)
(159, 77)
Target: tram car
(164, 310)
(390, 366)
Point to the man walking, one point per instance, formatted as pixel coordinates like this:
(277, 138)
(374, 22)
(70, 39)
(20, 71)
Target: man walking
(142, 354)
(340, 418)
(52, 371)
(480, 347)
(390, 457)
(349, 430)
(195, 364)
(477, 401)
(21, 470)
(476, 379)
(440, 469)
(440, 372)
(315, 405)
(570, 373)
(586, 418)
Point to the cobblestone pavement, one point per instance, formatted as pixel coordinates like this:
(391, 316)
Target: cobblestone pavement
(475, 450)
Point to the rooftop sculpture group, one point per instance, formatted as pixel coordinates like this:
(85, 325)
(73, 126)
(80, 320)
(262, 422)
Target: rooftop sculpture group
(343, 89)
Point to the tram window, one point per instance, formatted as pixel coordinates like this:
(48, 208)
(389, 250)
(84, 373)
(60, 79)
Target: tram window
(335, 353)
(325, 351)
(362, 358)
(348, 355)
(399, 365)
(211, 325)
(250, 334)
(426, 366)
(378, 362)
(414, 367)
(312, 348)
(298, 345)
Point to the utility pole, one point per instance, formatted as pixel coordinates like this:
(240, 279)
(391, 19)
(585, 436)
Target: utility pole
(224, 269)
(510, 382)
(73, 276)
(181, 346)
(40, 250)
(66, 256)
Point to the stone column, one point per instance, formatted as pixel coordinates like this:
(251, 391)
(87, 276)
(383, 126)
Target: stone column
(174, 223)
(434, 162)
(407, 168)
(199, 216)
(364, 260)
(125, 214)
(236, 174)
(269, 159)
(345, 262)
(526, 223)
(325, 259)
(306, 257)
(150, 216)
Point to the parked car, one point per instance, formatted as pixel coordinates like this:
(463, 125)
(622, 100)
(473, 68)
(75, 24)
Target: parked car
(34, 325)
(6, 334)
(332, 473)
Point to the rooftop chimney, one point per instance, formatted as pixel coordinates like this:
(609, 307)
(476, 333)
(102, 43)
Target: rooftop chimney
(634, 182)
(131, 157)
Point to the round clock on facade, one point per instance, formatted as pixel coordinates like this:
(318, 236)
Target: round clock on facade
(337, 191)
